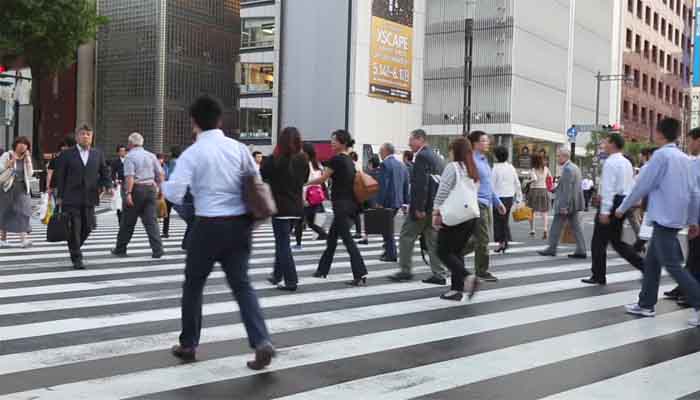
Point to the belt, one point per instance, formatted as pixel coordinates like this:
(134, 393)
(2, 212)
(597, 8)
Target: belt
(145, 183)
(222, 218)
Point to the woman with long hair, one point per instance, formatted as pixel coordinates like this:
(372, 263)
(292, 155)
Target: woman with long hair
(506, 184)
(286, 171)
(538, 195)
(310, 211)
(15, 200)
(341, 170)
(452, 239)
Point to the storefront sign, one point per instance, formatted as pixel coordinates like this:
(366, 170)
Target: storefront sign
(391, 50)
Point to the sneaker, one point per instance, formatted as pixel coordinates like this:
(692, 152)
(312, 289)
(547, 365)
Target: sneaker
(694, 319)
(635, 309)
(263, 357)
(452, 295)
(487, 276)
(26, 244)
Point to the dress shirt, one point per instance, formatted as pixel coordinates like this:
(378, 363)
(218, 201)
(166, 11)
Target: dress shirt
(84, 154)
(143, 166)
(487, 196)
(505, 181)
(214, 168)
(617, 180)
(673, 193)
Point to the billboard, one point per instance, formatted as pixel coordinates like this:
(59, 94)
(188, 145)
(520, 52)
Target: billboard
(391, 50)
(696, 55)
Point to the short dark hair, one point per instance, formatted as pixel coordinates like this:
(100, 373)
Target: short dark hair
(694, 133)
(648, 151)
(21, 140)
(374, 161)
(120, 146)
(669, 128)
(408, 155)
(83, 127)
(343, 137)
(501, 153)
(206, 112)
(475, 136)
(419, 134)
(255, 153)
(68, 141)
(617, 140)
(175, 151)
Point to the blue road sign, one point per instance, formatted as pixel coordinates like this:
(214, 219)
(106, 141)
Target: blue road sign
(571, 133)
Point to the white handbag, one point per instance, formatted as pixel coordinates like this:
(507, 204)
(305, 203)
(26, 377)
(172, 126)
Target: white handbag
(462, 204)
(116, 204)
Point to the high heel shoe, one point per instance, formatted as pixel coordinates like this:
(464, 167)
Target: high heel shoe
(358, 282)
(319, 275)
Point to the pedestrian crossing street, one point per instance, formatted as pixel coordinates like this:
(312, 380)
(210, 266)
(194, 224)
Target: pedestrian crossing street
(104, 333)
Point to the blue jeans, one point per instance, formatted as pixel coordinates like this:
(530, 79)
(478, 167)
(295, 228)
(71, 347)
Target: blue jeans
(227, 241)
(664, 249)
(284, 268)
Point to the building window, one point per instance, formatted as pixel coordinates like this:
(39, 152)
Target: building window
(677, 38)
(638, 44)
(651, 117)
(630, 6)
(668, 94)
(647, 16)
(636, 78)
(662, 58)
(656, 21)
(675, 67)
(673, 97)
(257, 32)
(681, 70)
(661, 90)
(256, 78)
(670, 4)
(685, 12)
(256, 123)
(670, 33)
(654, 54)
(640, 9)
(663, 26)
(669, 65)
(646, 49)
(652, 87)
(678, 7)
(645, 82)
(629, 39)
(626, 109)
(644, 115)
(635, 112)
(628, 70)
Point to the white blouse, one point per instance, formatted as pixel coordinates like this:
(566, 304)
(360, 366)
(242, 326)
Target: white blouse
(505, 181)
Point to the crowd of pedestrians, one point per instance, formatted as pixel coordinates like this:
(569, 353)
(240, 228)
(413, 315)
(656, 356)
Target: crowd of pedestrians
(451, 207)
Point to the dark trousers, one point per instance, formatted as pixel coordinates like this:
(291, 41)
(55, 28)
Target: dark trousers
(144, 198)
(664, 250)
(389, 240)
(692, 260)
(166, 219)
(308, 220)
(81, 222)
(612, 234)
(284, 268)
(451, 242)
(358, 224)
(340, 228)
(587, 195)
(119, 216)
(501, 224)
(227, 241)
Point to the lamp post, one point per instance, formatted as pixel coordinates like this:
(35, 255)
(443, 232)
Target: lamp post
(468, 51)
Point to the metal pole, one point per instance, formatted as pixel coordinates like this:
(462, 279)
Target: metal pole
(597, 99)
(468, 49)
(16, 118)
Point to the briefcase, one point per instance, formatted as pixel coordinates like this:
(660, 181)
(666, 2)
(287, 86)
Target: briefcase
(379, 221)
(57, 229)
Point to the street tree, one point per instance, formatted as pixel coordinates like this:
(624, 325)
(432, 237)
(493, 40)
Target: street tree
(44, 35)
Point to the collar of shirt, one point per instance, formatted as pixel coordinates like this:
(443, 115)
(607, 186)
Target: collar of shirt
(84, 153)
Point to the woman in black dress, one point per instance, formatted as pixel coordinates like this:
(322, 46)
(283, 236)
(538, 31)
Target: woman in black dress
(341, 170)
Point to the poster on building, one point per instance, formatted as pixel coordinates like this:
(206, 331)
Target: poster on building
(391, 50)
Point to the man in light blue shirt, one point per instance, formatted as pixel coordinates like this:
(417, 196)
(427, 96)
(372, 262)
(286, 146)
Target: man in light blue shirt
(479, 242)
(214, 168)
(673, 204)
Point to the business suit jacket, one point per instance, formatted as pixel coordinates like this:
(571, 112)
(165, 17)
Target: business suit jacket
(78, 185)
(117, 169)
(569, 193)
(393, 182)
(423, 186)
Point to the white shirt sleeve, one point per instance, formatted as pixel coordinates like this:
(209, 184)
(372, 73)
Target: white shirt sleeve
(607, 187)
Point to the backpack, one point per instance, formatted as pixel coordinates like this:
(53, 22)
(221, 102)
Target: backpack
(315, 195)
(364, 187)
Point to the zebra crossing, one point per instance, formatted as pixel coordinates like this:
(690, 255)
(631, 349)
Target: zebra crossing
(104, 333)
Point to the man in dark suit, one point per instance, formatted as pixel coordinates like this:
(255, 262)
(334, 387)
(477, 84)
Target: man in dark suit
(427, 166)
(81, 175)
(117, 168)
(393, 181)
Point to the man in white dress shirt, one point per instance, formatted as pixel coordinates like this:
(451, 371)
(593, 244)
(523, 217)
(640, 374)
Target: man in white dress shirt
(214, 168)
(616, 183)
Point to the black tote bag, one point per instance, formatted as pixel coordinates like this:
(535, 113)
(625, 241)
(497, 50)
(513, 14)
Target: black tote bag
(57, 229)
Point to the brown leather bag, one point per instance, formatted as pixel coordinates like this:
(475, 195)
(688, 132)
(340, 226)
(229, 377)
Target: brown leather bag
(364, 187)
(257, 196)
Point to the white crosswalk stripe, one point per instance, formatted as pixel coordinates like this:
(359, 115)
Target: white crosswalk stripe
(104, 333)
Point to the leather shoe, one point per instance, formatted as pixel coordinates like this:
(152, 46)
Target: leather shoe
(118, 253)
(78, 264)
(592, 281)
(263, 357)
(401, 277)
(186, 354)
(546, 253)
(157, 255)
(435, 280)
(578, 256)
(387, 259)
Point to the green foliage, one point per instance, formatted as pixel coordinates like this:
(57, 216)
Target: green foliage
(47, 33)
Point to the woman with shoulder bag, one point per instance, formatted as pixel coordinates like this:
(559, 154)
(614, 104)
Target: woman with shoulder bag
(314, 196)
(341, 171)
(286, 171)
(455, 214)
(15, 201)
(507, 186)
